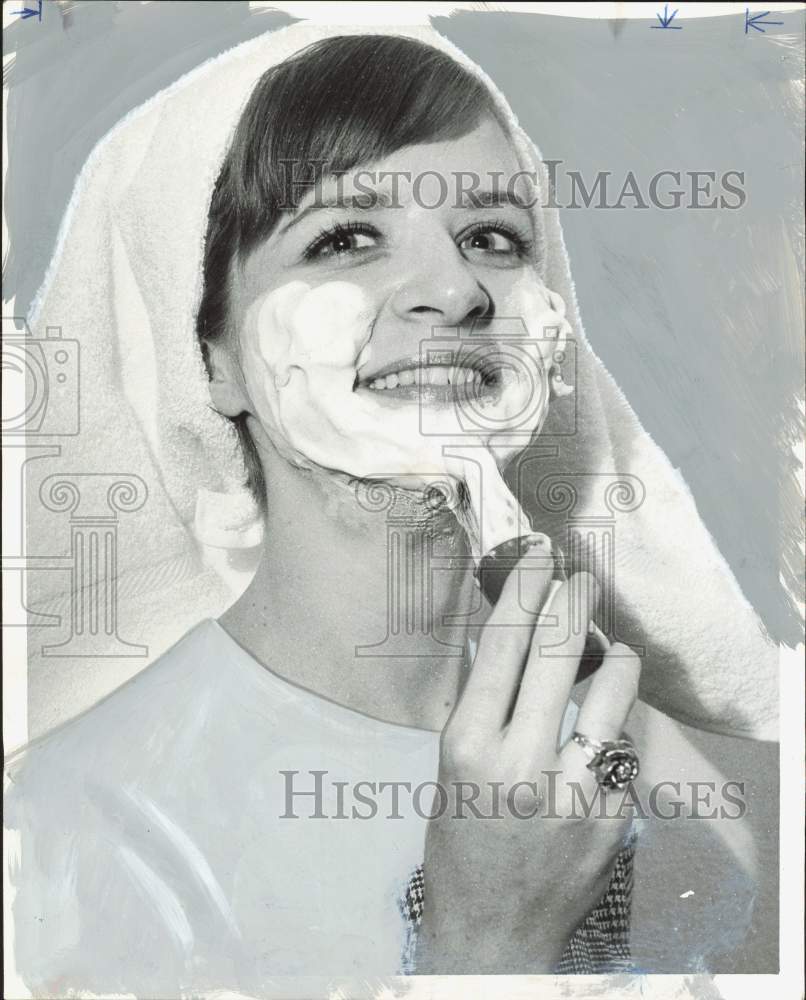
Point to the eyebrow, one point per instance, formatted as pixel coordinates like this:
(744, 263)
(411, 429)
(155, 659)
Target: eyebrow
(366, 202)
(369, 201)
(494, 198)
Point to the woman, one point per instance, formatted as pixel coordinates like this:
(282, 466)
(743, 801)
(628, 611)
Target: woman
(263, 792)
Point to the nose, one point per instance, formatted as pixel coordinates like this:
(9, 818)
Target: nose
(440, 286)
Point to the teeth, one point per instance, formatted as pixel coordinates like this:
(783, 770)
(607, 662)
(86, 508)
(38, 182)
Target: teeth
(433, 375)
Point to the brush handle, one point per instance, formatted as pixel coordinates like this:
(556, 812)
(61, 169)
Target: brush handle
(495, 566)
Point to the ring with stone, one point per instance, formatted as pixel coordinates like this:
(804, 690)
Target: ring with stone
(614, 762)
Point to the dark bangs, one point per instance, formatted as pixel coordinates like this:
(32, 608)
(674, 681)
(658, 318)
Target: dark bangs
(340, 103)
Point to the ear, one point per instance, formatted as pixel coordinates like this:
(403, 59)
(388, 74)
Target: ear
(227, 386)
(556, 301)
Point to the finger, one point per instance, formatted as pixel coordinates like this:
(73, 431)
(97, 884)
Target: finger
(553, 660)
(611, 694)
(493, 682)
(609, 700)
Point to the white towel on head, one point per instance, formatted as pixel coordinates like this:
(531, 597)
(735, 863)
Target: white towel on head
(125, 282)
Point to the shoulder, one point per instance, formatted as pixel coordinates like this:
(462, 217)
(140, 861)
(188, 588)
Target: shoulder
(95, 810)
(124, 736)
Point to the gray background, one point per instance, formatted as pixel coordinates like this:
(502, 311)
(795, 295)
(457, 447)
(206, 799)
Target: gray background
(696, 313)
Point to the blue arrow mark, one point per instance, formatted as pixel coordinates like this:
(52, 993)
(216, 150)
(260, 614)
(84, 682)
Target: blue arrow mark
(666, 20)
(27, 12)
(756, 21)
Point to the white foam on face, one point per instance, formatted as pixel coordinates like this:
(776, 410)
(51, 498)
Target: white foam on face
(303, 350)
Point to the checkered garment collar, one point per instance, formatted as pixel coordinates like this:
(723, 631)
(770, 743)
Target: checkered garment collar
(600, 944)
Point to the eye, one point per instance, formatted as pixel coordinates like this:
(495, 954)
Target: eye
(495, 239)
(348, 238)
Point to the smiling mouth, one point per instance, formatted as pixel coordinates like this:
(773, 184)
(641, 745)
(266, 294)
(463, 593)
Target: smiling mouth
(435, 384)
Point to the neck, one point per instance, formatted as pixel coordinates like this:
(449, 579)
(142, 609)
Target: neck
(360, 597)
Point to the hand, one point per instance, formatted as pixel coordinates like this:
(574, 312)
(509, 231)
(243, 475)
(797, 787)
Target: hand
(505, 894)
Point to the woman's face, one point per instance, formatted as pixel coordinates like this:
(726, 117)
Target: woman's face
(341, 317)
(422, 267)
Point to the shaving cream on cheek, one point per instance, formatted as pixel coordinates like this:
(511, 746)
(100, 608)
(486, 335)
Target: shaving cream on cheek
(303, 349)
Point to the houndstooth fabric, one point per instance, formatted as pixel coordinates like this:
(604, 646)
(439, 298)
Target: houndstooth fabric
(599, 945)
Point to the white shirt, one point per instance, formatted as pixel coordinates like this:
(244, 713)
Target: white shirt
(159, 848)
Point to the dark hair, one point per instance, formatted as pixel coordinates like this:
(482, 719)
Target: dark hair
(339, 103)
